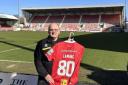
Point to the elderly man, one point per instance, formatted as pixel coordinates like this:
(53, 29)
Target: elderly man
(43, 66)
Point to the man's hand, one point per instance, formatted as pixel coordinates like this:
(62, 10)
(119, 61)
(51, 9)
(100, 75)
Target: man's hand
(49, 79)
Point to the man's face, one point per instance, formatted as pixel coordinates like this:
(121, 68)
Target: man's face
(54, 31)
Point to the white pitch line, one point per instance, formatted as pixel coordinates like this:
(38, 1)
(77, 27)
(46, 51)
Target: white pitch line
(13, 49)
(11, 66)
(16, 61)
(9, 50)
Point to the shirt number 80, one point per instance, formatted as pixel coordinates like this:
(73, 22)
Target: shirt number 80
(66, 68)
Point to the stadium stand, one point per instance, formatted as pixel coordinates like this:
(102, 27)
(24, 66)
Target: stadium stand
(6, 28)
(89, 19)
(70, 23)
(37, 21)
(56, 19)
(110, 20)
(7, 22)
(90, 22)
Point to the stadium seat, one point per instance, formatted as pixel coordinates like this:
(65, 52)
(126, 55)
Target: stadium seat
(55, 19)
(110, 20)
(90, 23)
(71, 23)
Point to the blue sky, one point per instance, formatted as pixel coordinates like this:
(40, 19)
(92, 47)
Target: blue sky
(11, 6)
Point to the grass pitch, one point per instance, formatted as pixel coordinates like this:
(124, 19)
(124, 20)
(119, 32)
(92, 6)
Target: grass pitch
(104, 62)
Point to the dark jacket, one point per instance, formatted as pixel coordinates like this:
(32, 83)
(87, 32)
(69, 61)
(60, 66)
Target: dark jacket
(43, 66)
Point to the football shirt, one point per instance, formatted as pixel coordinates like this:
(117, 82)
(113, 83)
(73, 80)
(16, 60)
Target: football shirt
(66, 58)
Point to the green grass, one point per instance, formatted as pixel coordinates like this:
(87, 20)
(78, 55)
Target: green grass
(103, 51)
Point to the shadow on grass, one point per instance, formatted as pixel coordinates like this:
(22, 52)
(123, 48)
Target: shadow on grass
(19, 46)
(105, 41)
(106, 77)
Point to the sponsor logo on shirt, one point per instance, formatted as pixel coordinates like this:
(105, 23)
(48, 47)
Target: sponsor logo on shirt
(63, 82)
(69, 51)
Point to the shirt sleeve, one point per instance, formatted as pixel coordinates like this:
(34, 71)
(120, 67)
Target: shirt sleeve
(37, 60)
